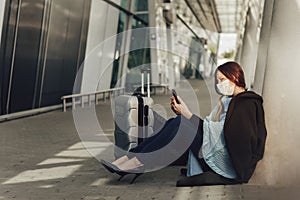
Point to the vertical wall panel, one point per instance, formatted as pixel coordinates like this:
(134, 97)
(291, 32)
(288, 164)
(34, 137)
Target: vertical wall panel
(6, 50)
(26, 56)
(2, 9)
(43, 44)
(63, 49)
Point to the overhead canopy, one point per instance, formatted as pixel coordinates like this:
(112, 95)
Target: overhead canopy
(223, 16)
(230, 14)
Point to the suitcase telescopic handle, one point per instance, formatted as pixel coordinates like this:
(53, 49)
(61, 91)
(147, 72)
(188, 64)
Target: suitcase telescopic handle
(148, 81)
(148, 84)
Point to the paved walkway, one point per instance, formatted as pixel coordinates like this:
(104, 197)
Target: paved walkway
(42, 157)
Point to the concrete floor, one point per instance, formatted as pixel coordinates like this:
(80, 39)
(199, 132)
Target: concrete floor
(42, 157)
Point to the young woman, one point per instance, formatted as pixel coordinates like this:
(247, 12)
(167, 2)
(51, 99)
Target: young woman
(226, 145)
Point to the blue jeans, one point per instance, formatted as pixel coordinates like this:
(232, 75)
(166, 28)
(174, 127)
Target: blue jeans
(178, 133)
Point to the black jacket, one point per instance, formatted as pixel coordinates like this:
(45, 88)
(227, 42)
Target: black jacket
(245, 133)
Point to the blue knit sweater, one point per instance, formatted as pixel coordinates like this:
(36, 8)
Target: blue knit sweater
(214, 149)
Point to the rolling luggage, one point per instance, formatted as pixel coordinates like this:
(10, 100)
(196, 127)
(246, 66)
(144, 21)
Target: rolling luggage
(133, 117)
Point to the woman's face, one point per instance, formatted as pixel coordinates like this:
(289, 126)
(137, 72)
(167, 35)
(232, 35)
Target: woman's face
(221, 77)
(224, 85)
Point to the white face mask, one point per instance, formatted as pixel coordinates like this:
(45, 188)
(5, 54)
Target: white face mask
(226, 88)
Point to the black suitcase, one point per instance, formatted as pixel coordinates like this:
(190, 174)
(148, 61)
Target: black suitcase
(133, 117)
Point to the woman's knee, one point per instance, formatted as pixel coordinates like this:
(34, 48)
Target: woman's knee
(173, 120)
(177, 119)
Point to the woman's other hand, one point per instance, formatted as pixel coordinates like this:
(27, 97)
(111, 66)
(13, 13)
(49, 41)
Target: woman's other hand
(180, 109)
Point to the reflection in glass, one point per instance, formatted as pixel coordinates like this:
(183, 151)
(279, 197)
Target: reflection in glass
(141, 5)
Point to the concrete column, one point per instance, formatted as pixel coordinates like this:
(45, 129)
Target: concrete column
(250, 42)
(111, 28)
(103, 24)
(281, 93)
(263, 46)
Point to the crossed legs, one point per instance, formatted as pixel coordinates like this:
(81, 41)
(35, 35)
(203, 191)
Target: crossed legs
(156, 142)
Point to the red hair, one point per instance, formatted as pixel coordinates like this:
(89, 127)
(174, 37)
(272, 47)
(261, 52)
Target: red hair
(234, 72)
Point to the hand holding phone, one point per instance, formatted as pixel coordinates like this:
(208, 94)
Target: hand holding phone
(175, 96)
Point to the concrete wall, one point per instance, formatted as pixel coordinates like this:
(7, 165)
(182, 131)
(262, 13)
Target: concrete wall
(281, 94)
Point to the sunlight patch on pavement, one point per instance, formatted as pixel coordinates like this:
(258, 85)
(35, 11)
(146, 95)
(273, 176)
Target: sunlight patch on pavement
(46, 186)
(96, 144)
(100, 181)
(83, 153)
(78, 152)
(84, 149)
(84, 145)
(43, 174)
(59, 161)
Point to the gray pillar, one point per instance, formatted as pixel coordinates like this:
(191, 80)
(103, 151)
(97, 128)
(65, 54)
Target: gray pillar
(281, 93)
(101, 27)
(250, 43)
(263, 46)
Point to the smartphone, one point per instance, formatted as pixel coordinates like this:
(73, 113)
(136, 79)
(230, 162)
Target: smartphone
(174, 93)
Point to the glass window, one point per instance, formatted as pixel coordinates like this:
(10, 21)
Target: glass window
(125, 4)
(141, 5)
(139, 24)
(142, 55)
(136, 57)
(144, 17)
(122, 20)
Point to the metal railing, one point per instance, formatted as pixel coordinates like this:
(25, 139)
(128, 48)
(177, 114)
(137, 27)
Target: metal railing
(94, 96)
(90, 97)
